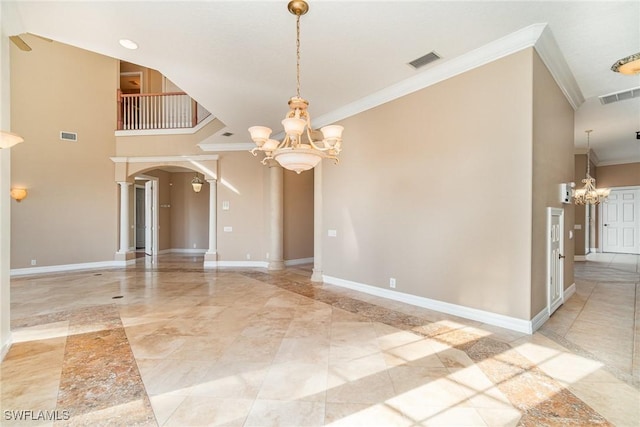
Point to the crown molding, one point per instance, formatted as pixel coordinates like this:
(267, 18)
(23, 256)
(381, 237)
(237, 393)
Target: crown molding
(155, 159)
(537, 35)
(553, 58)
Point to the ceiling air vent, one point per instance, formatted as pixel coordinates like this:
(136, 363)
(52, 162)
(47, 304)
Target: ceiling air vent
(227, 134)
(424, 60)
(620, 96)
(68, 136)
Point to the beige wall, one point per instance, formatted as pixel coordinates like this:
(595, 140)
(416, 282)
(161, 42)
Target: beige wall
(625, 175)
(298, 215)
(5, 185)
(189, 213)
(242, 182)
(553, 163)
(70, 215)
(434, 189)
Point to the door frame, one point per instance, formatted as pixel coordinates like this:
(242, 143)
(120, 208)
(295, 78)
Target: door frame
(152, 227)
(551, 212)
(601, 218)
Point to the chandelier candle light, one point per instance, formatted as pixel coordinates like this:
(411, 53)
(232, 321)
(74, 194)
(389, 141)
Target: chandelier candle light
(298, 151)
(589, 194)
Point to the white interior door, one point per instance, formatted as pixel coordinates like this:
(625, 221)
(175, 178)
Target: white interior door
(555, 255)
(621, 221)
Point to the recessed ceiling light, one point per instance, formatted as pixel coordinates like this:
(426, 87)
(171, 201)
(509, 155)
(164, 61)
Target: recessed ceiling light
(129, 44)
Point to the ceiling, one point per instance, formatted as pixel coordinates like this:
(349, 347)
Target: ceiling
(237, 58)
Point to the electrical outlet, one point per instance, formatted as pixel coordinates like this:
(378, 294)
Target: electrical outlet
(33, 262)
(194, 246)
(248, 256)
(392, 283)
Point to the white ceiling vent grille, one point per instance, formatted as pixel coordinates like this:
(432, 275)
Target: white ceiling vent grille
(68, 136)
(424, 60)
(620, 96)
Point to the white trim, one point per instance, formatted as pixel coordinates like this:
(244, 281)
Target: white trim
(579, 257)
(161, 159)
(553, 58)
(593, 250)
(187, 251)
(537, 36)
(299, 261)
(512, 323)
(227, 146)
(216, 264)
(569, 291)
(6, 347)
(539, 320)
(69, 267)
(634, 159)
(179, 131)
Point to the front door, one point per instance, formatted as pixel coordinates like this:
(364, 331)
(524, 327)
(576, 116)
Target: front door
(555, 262)
(621, 221)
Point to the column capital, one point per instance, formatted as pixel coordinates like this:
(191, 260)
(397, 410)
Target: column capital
(212, 180)
(123, 183)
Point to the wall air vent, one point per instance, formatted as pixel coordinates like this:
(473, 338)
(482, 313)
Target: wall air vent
(424, 60)
(68, 136)
(620, 96)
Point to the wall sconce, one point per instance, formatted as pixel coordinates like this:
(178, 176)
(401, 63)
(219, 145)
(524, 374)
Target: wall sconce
(8, 139)
(18, 194)
(196, 182)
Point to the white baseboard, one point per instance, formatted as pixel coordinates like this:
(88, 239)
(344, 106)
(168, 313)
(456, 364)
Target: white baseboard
(579, 257)
(539, 320)
(569, 291)
(69, 267)
(5, 348)
(507, 322)
(216, 264)
(186, 251)
(299, 261)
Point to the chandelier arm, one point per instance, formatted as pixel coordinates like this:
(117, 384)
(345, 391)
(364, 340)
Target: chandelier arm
(254, 152)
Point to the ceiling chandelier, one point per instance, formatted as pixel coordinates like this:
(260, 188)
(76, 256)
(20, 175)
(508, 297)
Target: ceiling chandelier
(589, 194)
(302, 147)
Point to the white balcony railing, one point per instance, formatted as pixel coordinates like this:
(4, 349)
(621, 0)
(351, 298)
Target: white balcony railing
(171, 110)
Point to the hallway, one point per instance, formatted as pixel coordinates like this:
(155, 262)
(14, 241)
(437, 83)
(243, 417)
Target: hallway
(170, 344)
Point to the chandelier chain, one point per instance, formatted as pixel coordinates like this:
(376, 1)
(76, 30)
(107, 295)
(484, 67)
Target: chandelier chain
(588, 152)
(298, 56)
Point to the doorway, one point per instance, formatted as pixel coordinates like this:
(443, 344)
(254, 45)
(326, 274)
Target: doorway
(555, 259)
(140, 223)
(620, 215)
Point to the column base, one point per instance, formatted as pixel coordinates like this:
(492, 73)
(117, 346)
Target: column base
(210, 259)
(316, 276)
(124, 256)
(275, 265)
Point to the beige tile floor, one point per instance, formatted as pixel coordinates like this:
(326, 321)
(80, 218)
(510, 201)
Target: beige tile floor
(247, 348)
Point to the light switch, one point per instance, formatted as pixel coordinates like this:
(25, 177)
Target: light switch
(228, 229)
(225, 205)
(332, 233)
(577, 227)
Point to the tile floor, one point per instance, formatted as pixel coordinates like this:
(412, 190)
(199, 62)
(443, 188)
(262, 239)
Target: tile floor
(179, 346)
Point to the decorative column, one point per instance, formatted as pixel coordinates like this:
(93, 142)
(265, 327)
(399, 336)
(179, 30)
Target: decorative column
(124, 217)
(211, 256)
(317, 224)
(276, 217)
